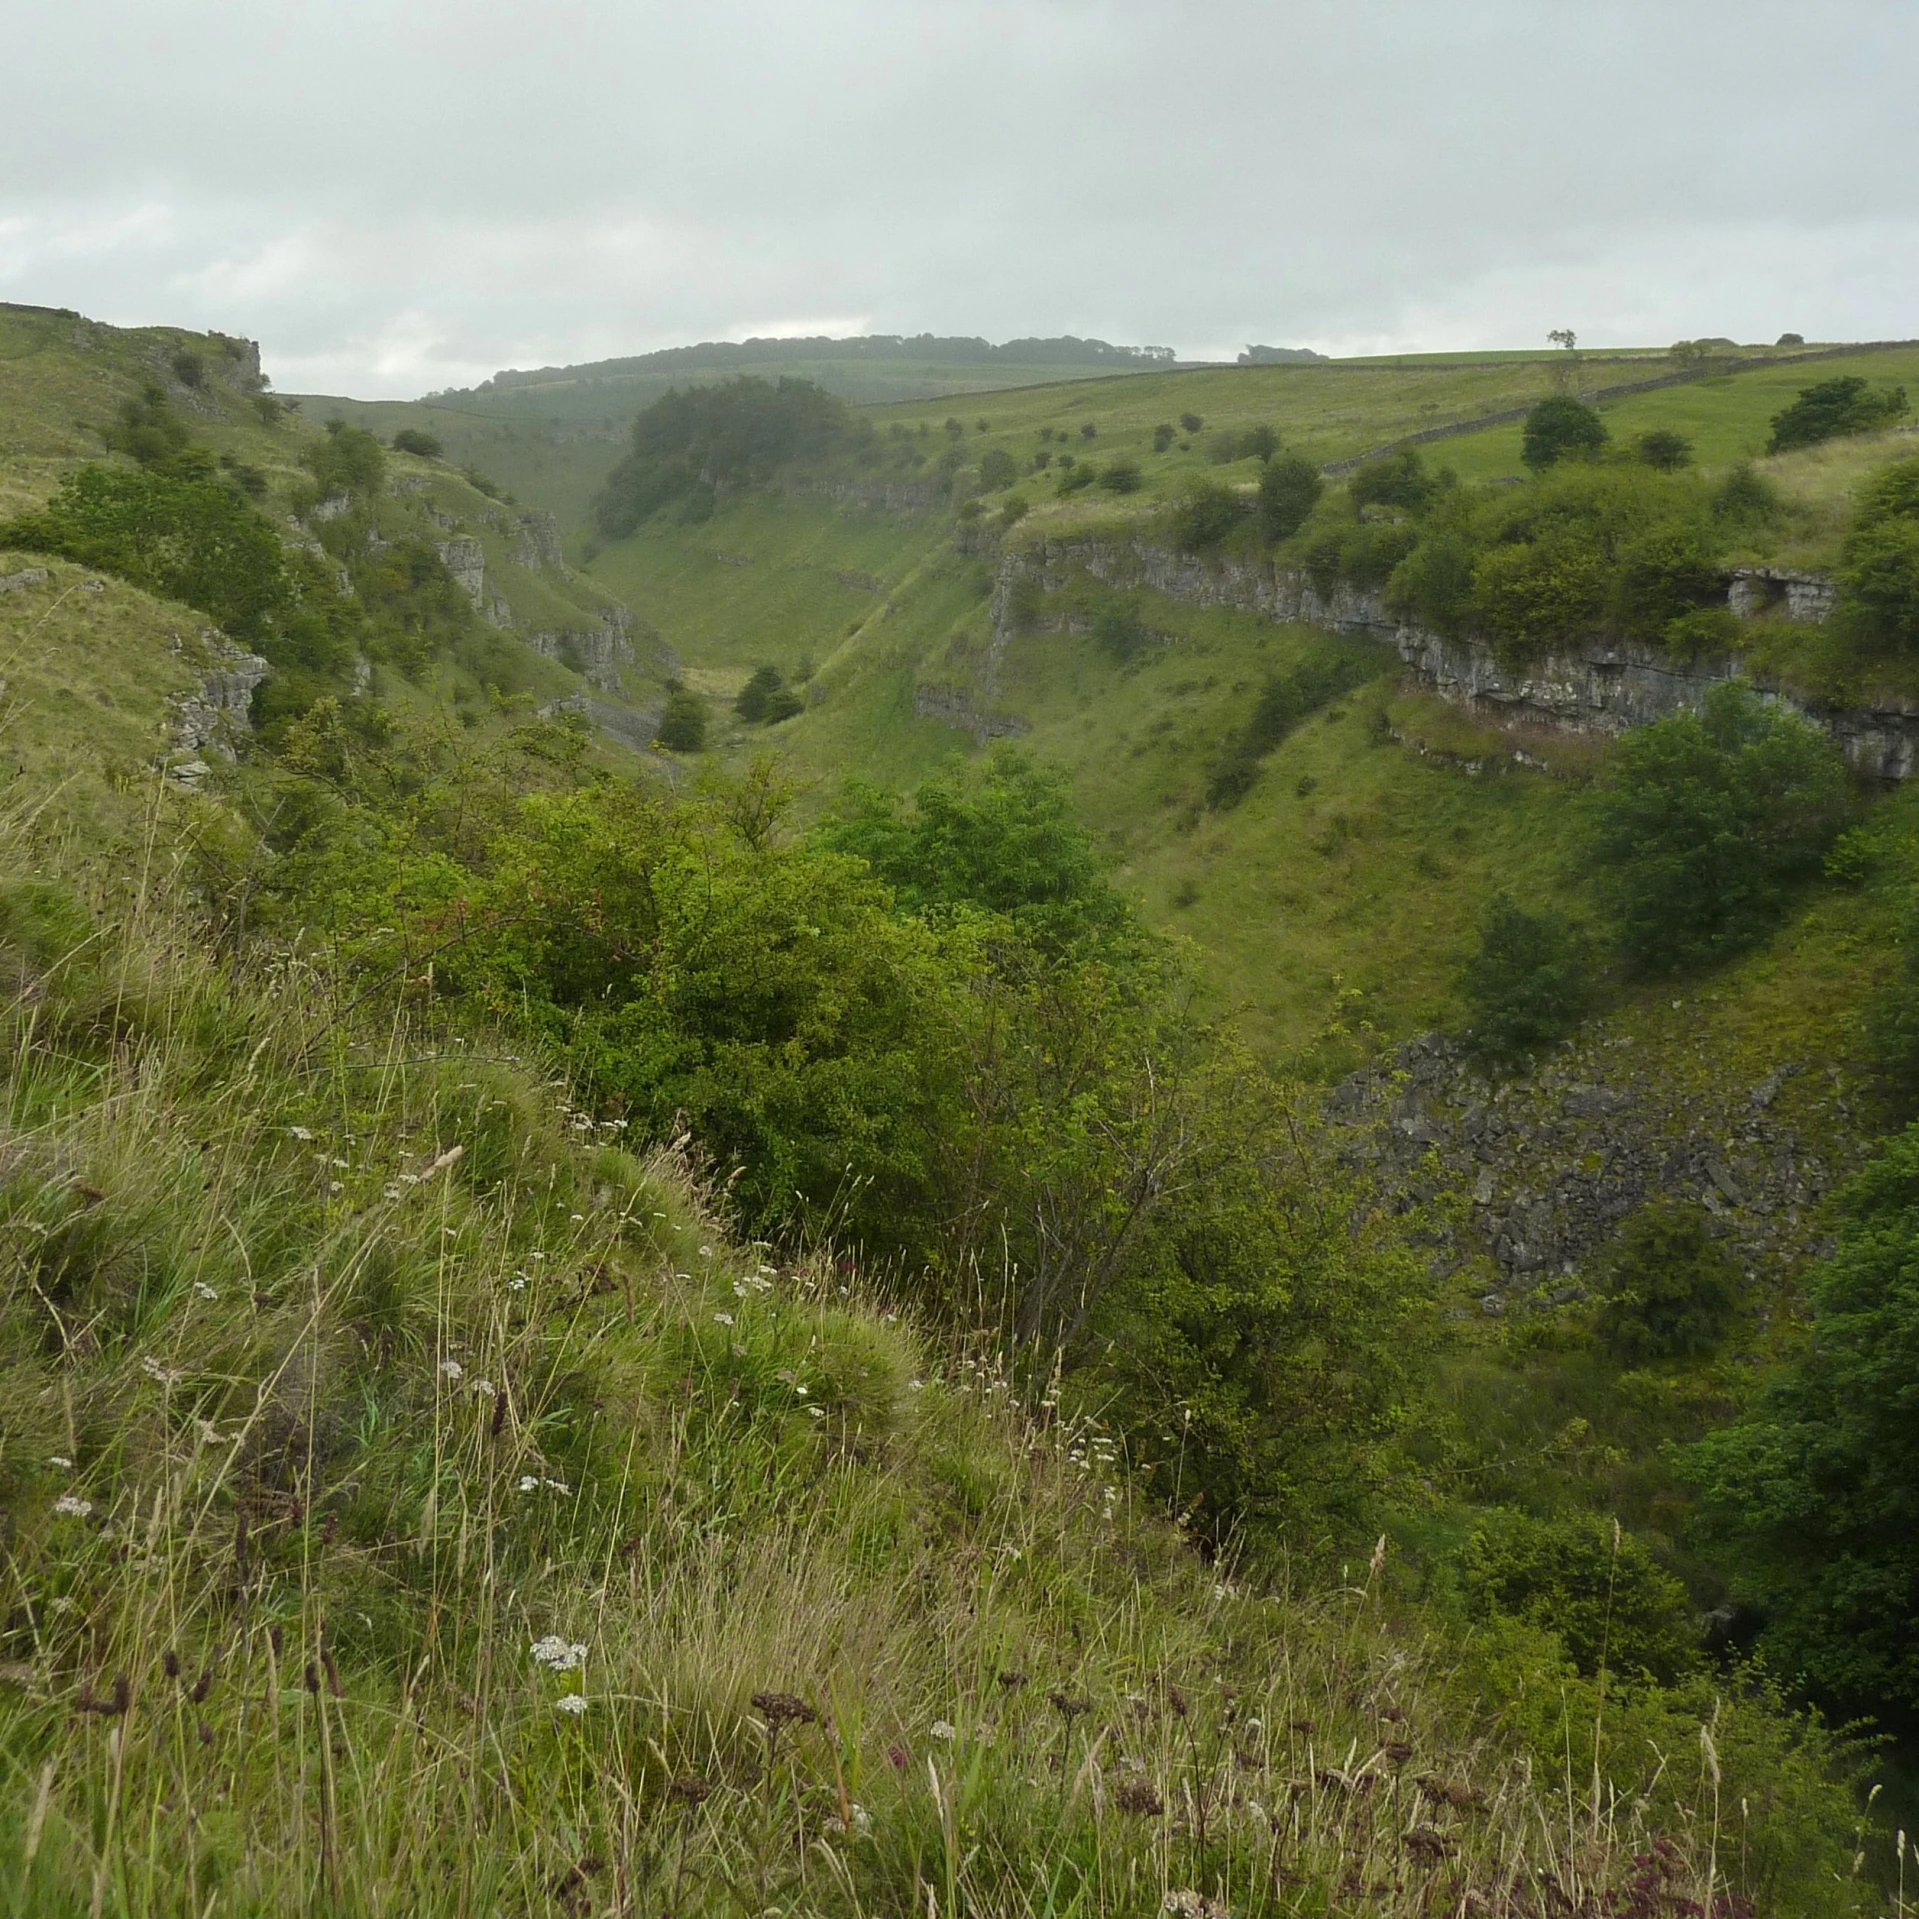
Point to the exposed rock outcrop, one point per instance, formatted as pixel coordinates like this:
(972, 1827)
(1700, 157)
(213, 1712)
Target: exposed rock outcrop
(1595, 687)
(465, 559)
(206, 719)
(596, 653)
(957, 706)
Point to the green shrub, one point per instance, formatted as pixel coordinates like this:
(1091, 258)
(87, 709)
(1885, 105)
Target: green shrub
(1665, 450)
(1284, 701)
(1013, 509)
(1528, 982)
(1878, 571)
(1122, 476)
(682, 727)
(1289, 489)
(1433, 584)
(348, 460)
(1120, 629)
(1163, 436)
(1668, 1288)
(1530, 596)
(1662, 576)
(417, 441)
(148, 430)
(1397, 479)
(1596, 1588)
(1207, 517)
(188, 368)
(1706, 822)
(997, 468)
(761, 688)
(1815, 1491)
(1832, 408)
(1560, 428)
(1190, 422)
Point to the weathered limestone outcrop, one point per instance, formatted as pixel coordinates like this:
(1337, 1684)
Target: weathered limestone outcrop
(957, 706)
(536, 543)
(220, 706)
(596, 653)
(1596, 687)
(465, 559)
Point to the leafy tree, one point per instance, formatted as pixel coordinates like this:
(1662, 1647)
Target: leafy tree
(188, 368)
(1122, 476)
(1832, 408)
(1668, 1288)
(755, 697)
(1163, 436)
(1532, 595)
(1258, 443)
(1707, 821)
(347, 460)
(1878, 570)
(1190, 422)
(1088, 430)
(682, 727)
(1595, 1587)
(1665, 450)
(1289, 489)
(1120, 629)
(1433, 584)
(1560, 428)
(416, 440)
(1003, 838)
(1396, 479)
(1207, 517)
(1527, 983)
(1815, 1493)
(1013, 509)
(1790, 339)
(1663, 575)
(997, 468)
(149, 431)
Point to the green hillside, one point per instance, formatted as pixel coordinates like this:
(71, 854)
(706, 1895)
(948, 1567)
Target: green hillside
(900, 1312)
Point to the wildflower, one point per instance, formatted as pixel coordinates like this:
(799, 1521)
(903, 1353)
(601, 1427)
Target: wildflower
(706, 1252)
(481, 1386)
(722, 1319)
(529, 1484)
(517, 1284)
(816, 1412)
(898, 1758)
(572, 1702)
(556, 1485)
(451, 1369)
(558, 1654)
(334, 1186)
(62, 1461)
(389, 1192)
(803, 1391)
(208, 1431)
(739, 1289)
(1189, 1904)
(916, 1385)
(202, 1290)
(72, 1506)
(942, 1729)
(577, 1218)
(299, 1132)
(165, 1375)
(347, 1164)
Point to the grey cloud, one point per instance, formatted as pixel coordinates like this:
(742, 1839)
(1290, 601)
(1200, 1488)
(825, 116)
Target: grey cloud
(408, 193)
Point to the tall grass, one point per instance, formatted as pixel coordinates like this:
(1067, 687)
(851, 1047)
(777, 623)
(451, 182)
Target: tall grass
(416, 1503)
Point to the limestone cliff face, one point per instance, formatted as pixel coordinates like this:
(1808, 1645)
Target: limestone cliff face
(1598, 686)
(596, 653)
(465, 559)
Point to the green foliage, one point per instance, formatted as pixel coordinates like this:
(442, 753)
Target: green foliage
(1706, 822)
(682, 727)
(1816, 1491)
(1122, 476)
(1832, 408)
(1004, 839)
(1596, 1588)
(1664, 449)
(1396, 479)
(417, 441)
(1164, 435)
(766, 699)
(1013, 509)
(1662, 576)
(686, 445)
(348, 460)
(1190, 422)
(997, 468)
(1433, 584)
(1120, 628)
(1878, 571)
(1208, 517)
(1532, 595)
(1528, 982)
(1668, 1288)
(1289, 489)
(148, 430)
(185, 539)
(1561, 428)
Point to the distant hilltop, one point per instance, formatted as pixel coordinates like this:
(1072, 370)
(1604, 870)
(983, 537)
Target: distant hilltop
(1066, 350)
(1278, 355)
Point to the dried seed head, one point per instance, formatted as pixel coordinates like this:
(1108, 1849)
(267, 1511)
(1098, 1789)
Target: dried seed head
(332, 1671)
(1177, 1700)
(201, 1687)
(1063, 1703)
(170, 1663)
(277, 1640)
(690, 1789)
(1305, 1726)
(313, 1679)
(1011, 1679)
(1396, 1714)
(1139, 1797)
(783, 1708)
(499, 1414)
(1398, 1751)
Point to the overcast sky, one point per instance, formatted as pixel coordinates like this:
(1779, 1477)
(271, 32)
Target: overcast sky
(400, 195)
